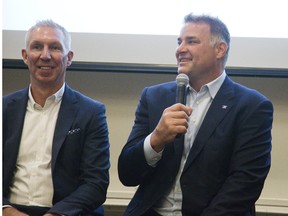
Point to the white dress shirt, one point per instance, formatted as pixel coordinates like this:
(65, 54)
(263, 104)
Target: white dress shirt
(200, 102)
(32, 183)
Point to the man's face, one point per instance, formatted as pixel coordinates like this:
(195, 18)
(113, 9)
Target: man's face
(47, 57)
(195, 55)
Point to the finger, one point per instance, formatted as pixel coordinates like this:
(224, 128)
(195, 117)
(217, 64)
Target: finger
(181, 107)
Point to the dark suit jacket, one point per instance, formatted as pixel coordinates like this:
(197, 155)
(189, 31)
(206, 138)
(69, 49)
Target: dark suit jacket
(80, 158)
(228, 162)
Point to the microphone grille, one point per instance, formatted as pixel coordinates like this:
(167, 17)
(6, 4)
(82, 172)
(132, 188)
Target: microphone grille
(182, 79)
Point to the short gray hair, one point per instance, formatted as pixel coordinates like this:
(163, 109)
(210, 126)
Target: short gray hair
(52, 24)
(218, 29)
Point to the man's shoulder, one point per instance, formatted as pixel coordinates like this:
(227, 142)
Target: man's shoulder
(16, 94)
(244, 91)
(82, 98)
(166, 86)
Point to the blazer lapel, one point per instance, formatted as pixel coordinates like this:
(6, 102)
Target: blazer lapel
(15, 116)
(16, 110)
(68, 109)
(219, 108)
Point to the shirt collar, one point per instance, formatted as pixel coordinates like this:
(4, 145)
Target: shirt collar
(213, 86)
(56, 97)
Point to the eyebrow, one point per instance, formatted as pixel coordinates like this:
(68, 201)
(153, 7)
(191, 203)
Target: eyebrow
(50, 43)
(187, 38)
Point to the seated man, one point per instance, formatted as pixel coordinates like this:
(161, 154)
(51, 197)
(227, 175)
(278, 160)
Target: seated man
(55, 140)
(218, 166)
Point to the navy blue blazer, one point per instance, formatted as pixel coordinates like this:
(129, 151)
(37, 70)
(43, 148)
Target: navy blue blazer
(228, 162)
(80, 158)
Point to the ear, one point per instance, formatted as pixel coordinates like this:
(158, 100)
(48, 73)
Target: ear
(70, 57)
(24, 56)
(221, 49)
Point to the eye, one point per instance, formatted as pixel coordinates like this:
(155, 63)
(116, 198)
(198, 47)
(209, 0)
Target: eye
(36, 46)
(193, 41)
(190, 41)
(179, 42)
(56, 48)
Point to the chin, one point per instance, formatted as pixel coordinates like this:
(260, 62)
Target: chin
(182, 70)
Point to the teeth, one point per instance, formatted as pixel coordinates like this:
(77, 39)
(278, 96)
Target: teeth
(185, 60)
(45, 68)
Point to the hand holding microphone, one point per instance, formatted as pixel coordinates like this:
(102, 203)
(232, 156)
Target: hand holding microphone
(174, 119)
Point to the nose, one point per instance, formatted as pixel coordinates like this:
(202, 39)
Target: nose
(45, 54)
(181, 48)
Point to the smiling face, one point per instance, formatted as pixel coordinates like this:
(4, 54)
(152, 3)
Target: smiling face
(46, 57)
(196, 55)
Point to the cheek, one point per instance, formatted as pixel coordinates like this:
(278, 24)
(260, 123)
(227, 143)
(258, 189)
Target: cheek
(32, 58)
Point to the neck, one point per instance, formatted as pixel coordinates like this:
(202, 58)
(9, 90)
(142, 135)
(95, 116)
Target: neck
(41, 94)
(197, 82)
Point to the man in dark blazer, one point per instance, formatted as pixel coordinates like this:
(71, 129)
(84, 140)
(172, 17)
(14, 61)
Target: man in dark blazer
(209, 157)
(71, 166)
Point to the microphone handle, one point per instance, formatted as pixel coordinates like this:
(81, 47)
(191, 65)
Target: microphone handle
(181, 94)
(181, 98)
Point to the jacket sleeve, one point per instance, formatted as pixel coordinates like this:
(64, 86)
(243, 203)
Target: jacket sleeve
(132, 165)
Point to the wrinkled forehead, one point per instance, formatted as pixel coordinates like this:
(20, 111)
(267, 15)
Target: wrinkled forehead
(195, 29)
(46, 34)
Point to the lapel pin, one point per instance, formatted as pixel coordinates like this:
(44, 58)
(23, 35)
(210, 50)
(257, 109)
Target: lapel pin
(224, 106)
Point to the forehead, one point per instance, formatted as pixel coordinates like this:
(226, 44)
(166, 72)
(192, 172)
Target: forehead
(193, 29)
(47, 34)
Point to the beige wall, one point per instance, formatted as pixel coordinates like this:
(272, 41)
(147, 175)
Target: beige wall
(121, 91)
(144, 49)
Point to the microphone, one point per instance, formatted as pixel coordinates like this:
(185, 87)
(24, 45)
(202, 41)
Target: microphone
(182, 81)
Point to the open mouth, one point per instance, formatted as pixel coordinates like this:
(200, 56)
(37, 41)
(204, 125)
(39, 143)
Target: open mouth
(45, 68)
(185, 59)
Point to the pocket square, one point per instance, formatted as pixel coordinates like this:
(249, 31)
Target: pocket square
(76, 130)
